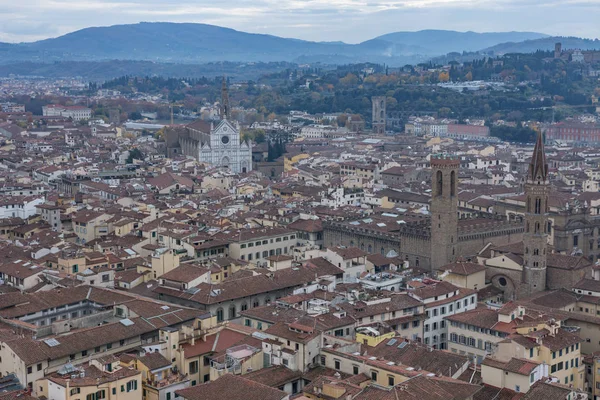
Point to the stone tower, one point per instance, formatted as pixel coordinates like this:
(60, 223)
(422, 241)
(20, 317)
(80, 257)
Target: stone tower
(557, 50)
(379, 114)
(444, 209)
(535, 238)
(224, 100)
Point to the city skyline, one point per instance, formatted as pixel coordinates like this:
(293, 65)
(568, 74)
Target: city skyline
(351, 21)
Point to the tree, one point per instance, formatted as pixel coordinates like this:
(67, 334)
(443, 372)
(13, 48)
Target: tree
(469, 76)
(134, 154)
(135, 116)
(444, 77)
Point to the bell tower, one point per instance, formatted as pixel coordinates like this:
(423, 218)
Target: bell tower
(224, 100)
(535, 238)
(444, 209)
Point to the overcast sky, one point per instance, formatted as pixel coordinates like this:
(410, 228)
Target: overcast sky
(351, 21)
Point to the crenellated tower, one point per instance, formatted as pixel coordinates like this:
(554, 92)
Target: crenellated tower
(444, 209)
(535, 238)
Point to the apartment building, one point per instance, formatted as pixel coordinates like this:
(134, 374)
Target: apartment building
(102, 378)
(441, 300)
(256, 245)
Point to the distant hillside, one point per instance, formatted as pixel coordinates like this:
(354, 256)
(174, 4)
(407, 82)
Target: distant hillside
(193, 43)
(201, 43)
(436, 42)
(103, 70)
(531, 46)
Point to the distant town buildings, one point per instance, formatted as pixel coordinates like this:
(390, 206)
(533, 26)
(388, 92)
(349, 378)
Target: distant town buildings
(76, 113)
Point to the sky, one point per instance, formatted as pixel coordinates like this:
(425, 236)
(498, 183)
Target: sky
(351, 21)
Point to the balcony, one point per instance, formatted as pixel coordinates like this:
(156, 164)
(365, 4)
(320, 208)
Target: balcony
(165, 382)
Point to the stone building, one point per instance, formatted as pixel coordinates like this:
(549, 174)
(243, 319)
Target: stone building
(379, 114)
(428, 243)
(526, 267)
(218, 145)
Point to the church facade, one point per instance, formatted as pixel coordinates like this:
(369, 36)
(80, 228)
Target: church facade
(218, 145)
(529, 266)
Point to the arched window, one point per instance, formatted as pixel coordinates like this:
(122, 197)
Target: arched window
(439, 183)
(538, 206)
(232, 312)
(537, 227)
(453, 183)
(382, 251)
(219, 315)
(370, 249)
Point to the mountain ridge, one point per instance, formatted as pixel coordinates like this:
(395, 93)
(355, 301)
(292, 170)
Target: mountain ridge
(201, 43)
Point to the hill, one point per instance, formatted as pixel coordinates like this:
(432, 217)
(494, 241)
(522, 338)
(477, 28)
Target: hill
(546, 44)
(202, 43)
(437, 42)
(192, 43)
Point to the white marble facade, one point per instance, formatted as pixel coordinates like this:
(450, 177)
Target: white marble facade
(225, 149)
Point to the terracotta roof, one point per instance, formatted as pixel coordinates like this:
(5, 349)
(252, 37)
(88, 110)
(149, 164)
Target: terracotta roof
(220, 341)
(154, 361)
(463, 268)
(422, 388)
(274, 376)
(348, 252)
(545, 391)
(251, 285)
(514, 365)
(232, 387)
(307, 225)
(419, 356)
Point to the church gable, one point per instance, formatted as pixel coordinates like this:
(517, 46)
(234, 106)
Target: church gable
(225, 128)
(505, 261)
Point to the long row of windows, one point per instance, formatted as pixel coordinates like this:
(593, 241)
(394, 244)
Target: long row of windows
(276, 240)
(474, 328)
(565, 365)
(572, 348)
(442, 310)
(101, 394)
(265, 253)
(471, 342)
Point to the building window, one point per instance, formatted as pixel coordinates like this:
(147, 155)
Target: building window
(193, 367)
(390, 380)
(374, 376)
(336, 364)
(355, 369)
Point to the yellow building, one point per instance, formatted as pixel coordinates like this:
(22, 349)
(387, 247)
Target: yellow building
(464, 274)
(516, 374)
(592, 374)
(381, 372)
(373, 335)
(289, 160)
(159, 379)
(102, 378)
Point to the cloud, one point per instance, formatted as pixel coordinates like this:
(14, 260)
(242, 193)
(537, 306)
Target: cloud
(321, 20)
